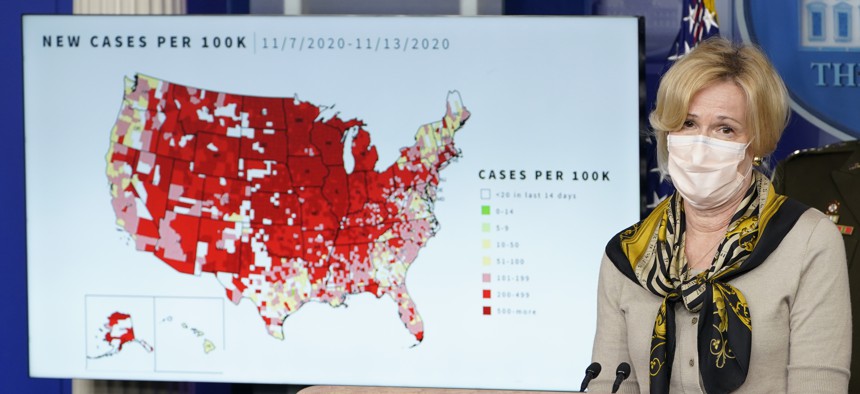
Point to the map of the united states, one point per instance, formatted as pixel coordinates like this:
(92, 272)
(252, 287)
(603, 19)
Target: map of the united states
(275, 197)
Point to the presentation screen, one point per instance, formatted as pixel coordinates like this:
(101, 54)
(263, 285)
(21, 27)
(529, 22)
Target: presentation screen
(399, 201)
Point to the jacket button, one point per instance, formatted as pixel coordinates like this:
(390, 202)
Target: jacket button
(691, 362)
(695, 320)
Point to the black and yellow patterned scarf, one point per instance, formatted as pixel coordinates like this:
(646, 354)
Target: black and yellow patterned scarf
(651, 253)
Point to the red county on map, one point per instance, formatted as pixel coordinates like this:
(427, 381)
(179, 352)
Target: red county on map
(276, 198)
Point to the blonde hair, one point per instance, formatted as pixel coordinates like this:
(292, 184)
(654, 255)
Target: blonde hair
(717, 60)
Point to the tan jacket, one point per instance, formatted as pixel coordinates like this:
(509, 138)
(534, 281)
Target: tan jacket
(801, 319)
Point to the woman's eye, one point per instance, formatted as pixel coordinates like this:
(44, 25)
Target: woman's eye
(688, 124)
(726, 130)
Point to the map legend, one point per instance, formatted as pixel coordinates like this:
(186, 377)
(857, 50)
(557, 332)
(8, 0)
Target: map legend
(505, 243)
(486, 244)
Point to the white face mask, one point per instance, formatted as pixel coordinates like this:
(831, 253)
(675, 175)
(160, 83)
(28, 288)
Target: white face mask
(707, 171)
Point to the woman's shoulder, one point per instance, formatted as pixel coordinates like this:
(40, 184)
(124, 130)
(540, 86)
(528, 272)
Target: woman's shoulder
(813, 234)
(794, 219)
(814, 221)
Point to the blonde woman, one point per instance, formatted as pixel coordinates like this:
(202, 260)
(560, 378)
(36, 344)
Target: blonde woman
(726, 286)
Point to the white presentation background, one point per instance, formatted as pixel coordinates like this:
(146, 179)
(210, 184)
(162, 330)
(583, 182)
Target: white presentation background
(545, 94)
